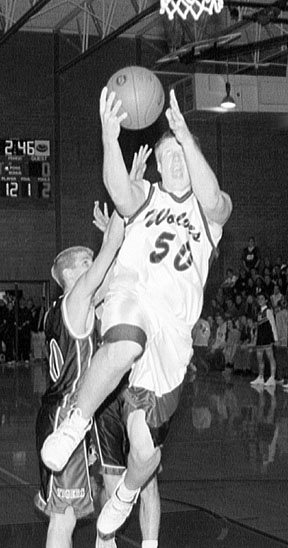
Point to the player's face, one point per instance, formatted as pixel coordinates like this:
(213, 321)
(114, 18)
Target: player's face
(261, 300)
(172, 166)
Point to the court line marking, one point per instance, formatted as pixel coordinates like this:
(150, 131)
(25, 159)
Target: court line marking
(14, 476)
(131, 542)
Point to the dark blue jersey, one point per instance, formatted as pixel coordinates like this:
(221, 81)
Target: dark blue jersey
(69, 354)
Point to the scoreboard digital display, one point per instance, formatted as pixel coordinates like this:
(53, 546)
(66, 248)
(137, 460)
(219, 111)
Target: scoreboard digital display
(25, 169)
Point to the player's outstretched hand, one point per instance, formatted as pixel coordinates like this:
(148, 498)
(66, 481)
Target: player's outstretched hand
(100, 219)
(114, 232)
(139, 163)
(176, 119)
(112, 227)
(110, 118)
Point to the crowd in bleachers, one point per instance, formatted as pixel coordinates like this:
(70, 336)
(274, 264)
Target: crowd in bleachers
(230, 318)
(21, 328)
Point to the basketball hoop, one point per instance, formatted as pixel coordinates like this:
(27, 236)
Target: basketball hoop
(195, 7)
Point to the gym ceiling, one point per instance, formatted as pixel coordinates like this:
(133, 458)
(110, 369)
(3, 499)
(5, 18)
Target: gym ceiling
(247, 34)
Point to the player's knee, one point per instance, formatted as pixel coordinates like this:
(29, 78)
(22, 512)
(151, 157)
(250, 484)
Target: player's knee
(122, 354)
(63, 524)
(150, 490)
(145, 458)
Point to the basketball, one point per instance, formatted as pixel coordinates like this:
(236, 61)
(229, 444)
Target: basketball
(141, 93)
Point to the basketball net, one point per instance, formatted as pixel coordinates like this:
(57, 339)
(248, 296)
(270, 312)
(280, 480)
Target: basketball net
(195, 7)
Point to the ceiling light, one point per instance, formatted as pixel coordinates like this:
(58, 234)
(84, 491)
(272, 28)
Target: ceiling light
(228, 102)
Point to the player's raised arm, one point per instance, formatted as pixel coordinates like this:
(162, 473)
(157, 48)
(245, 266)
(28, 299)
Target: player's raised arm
(127, 198)
(79, 298)
(216, 203)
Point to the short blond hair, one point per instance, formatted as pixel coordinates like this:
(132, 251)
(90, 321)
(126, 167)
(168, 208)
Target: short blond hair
(67, 259)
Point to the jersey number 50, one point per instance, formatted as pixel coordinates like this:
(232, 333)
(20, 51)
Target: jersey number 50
(184, 257)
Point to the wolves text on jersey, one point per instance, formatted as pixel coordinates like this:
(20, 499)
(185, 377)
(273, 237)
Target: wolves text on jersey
(157, 217)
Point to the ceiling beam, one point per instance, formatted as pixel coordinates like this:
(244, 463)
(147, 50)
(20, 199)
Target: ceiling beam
(234, 51)
(23, 20)
(110, 37)
(65, 20)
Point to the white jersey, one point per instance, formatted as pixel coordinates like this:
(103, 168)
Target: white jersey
(157, 285)
(165, 254)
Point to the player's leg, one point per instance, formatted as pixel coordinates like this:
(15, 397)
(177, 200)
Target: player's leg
(143, 460)
(144, 457)
(124, 339)
(110, 483)
(60, 529)
(149, 513)
(270, 355)
(107, 368)
(260, 379)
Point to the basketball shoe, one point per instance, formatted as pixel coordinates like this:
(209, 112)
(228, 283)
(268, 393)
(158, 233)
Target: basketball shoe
(258, 380)
(115, 512)
(270, 382)
(59, 446)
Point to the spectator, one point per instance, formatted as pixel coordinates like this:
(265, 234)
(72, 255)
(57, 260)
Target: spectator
(230, 309)
(201, 334)
(240, 305)
(280, 263)
(243, 327)
(268, 285)
(213, 328)
(250, 255)
(229, 282)
(267, 265)
(250, 288)
(241, 282)
(38, 345)
(24, 331)
(232, 342)
(215, 308)
(216, 356)
(3, 327)
(251, 332)
(220, 299)
(9, 334)
(254, 274)
(258, 286)
(276, 274)
(265, 338)
(276, 297)
(281, 318)
(251, 306)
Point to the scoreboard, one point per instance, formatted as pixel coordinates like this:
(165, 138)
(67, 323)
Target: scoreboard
(25, 170)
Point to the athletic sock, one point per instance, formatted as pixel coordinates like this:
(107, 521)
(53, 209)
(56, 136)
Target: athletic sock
(149, 543)
(124, 494)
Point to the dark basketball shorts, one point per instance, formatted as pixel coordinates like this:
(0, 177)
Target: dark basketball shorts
(110, 433)
(71, 486)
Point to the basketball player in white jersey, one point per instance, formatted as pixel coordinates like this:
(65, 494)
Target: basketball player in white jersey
(155, 297)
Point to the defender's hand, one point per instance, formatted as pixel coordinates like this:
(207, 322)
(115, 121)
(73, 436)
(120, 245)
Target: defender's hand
(139, 163)
(114, 232)
(100, 219)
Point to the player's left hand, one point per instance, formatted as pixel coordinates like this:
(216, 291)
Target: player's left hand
(176, 120)
(100, 219)
(139, 163)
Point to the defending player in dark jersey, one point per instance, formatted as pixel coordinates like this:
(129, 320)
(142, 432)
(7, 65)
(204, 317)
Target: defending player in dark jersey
(69, 327)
